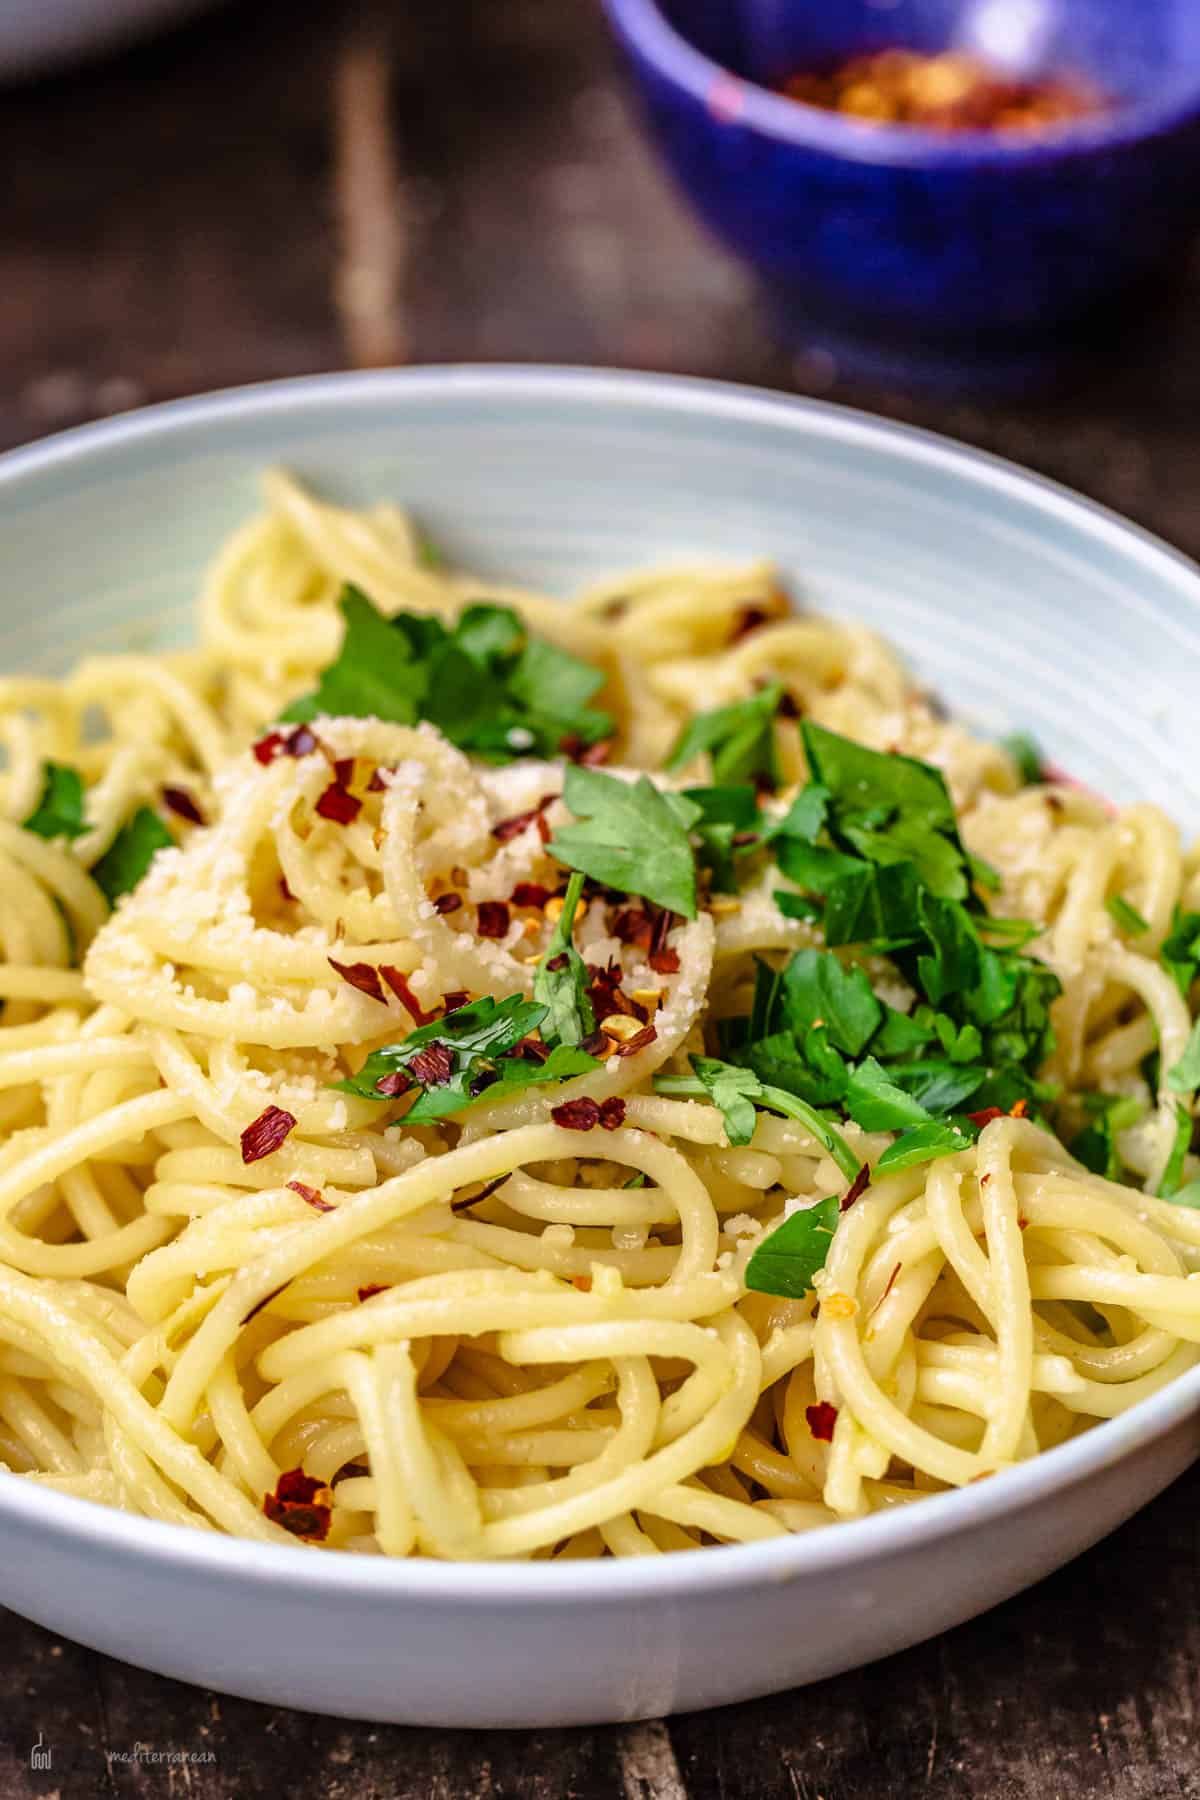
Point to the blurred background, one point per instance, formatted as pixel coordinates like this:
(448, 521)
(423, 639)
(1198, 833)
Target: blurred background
(270, 190)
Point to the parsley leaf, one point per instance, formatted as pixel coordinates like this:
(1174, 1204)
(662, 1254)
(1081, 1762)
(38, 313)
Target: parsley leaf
(878, 1104)
(1126, 916)
(486, 683)
(775, 1100)
(130, 854)
(631, 837)
(1025, 753)
(1189, 1195)
(1171, 1177)
(925, 1143)
(727, 814)
(889, 808)
(59, 811)
(374, 674)
(734, 1092)
(788, 1259)
(739, 739)
(457, 1060)
(1184, 1076)
(1181, 949)
(1096, 1145)
(817, 990)
(561, 981)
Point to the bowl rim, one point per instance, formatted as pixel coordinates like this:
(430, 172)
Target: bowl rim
(185, 1550)
(733, 100)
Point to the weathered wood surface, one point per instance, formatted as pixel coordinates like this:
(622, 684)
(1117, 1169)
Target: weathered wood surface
(281, 189)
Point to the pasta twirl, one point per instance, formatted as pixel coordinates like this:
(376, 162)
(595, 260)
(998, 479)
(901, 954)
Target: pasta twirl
(500, 1302)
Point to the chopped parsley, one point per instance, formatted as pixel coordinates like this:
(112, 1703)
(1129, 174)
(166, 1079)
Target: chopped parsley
(130, 854)
(561, 981)
(1181, 950)
(59, 811)
(487, 683)
(1127, 917)
(1096, 1145)
(630, 836)
(1025, 753)
(739, 739)
(1184, 1076)
(1171, 1179)
(458, 1059)
(791, 1256)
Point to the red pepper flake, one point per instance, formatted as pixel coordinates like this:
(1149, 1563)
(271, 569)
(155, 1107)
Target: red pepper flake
(633, 926)
(984, 1179)
(448, 903)
(749, 619)
(1018, 1109)
(596, 1043)
(891, 1282)
(577, 1115)
(612, 1112)
(405, 995)
(339, 805)
(662, 960)
(859, 1185)
(789, 707)
(493, 918)
(606, 994)
(484, 1193)
(284, 889)
(582, 1282)
(531, 1049)
(266, 1133)
(301, 742)
(377, 784)
(986, 1116)
(577, 749)
(181, 802)
(433, 1066)
(295, 1505)
(506, 829)
(390, 1086)
(637, 1042)
(373, 1287)
(530, 893)
(1021, 1223)
(349, 1470)
(343, 771)
(312, 1195)
(543, 829)
(821, 1420)
(265, 1301)
(452, 1002)
(268, 748)
(360, 975)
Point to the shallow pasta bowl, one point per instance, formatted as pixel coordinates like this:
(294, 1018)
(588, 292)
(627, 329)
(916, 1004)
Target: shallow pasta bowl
(1021, 604)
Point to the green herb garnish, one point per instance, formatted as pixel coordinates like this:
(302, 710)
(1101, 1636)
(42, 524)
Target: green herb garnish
(787, 1261)
(1181, 950)
(130, 854)
(731, 1089)
(1126, 916)
(1028, 758)
(631, 836)
(1096, 1145)
(59, 811)
(561, 981)
(1184, 1076)
(489, 685)
(1172, 1176)
(465, 1057)
(739, 739)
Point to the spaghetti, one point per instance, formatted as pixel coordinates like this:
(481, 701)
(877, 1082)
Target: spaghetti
(370, 1179)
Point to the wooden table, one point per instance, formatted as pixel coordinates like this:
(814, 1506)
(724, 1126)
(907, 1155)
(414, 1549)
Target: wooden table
(282, 189)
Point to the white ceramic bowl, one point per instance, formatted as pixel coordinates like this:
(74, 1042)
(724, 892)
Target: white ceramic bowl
(1023, 604)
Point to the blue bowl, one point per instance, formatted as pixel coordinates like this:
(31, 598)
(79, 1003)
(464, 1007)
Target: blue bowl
(976, 244)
